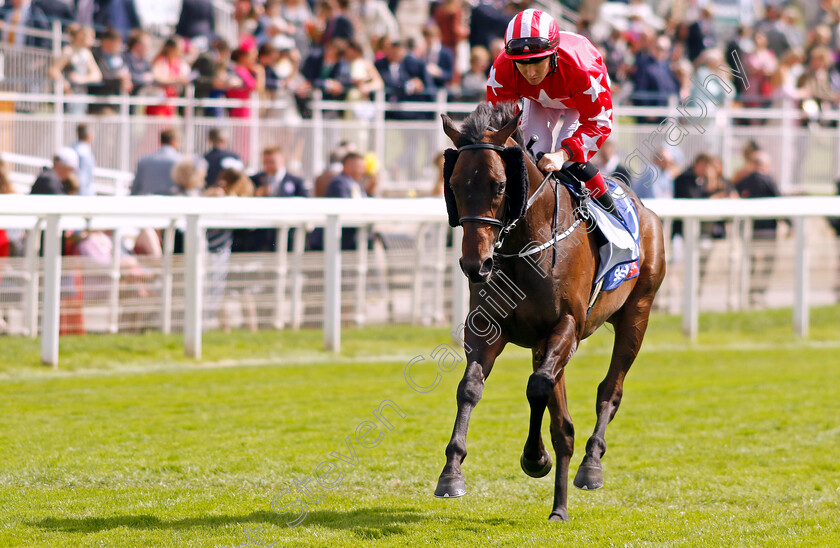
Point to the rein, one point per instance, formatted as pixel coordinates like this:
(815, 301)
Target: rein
(506, 227)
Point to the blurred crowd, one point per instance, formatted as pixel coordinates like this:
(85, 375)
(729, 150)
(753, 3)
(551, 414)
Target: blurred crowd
(349, 49)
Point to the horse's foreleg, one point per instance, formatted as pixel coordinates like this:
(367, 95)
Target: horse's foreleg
(563, 440)
(629, 332)
(549, 363)
(451, 482)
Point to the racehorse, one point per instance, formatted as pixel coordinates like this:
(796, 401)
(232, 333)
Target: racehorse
(490, 185)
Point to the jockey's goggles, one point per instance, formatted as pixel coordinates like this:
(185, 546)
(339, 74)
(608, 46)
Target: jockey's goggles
(532, 45)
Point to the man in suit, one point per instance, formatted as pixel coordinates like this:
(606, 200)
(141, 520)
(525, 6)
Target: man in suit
(154, 172)
(439, 59)
(272, 182)
(405, 78)
(327, 69)
(218, 153)
(196, 20)
(348, 184)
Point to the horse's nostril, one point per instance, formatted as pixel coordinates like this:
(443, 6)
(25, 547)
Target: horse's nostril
(486, 267)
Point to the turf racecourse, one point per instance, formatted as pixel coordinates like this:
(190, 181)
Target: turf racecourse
(731, 441)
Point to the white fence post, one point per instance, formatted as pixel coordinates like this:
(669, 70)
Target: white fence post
(800, 297)
(361, 274)
(52, 291)
(114, 297)
(166, 279)
(332, 284)
(691, 232)
(281, 270)
(297, 276)
(254, 132)
(460, 287)
(33, 245)
(193, 287)
(189, 118)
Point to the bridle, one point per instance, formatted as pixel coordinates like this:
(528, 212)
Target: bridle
(506, 227)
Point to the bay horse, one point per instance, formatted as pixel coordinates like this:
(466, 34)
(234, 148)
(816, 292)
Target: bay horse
(489, 182)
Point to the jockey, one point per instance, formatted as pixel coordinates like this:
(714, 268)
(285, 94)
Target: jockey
(557, 74)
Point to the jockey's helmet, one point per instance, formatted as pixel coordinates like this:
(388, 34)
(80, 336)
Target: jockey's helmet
(531, 34)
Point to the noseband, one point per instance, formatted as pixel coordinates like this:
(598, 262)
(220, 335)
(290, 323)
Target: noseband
(505, 227)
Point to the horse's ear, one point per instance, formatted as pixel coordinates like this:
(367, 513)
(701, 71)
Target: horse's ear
(517, 186)
(508, 129)
(450, 156)
(450, 129)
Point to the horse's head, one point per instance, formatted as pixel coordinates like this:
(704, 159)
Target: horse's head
(486, 187)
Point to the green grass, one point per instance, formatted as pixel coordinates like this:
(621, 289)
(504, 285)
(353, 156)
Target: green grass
(729, 441)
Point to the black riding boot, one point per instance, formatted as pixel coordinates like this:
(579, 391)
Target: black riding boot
(608, 203)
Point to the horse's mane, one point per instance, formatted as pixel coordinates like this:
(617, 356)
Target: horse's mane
(484, 117)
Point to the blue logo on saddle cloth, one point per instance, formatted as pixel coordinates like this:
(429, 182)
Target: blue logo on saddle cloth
(620, 256)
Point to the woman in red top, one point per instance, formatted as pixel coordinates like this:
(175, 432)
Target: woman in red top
(171, 73)
(250, 77)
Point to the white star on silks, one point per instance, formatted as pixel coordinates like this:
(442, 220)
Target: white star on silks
(596, 89)
(548, 102)
(603, 118)
(589, 143)
(492, 83)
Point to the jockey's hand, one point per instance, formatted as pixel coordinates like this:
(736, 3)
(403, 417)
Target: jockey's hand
(553, 161)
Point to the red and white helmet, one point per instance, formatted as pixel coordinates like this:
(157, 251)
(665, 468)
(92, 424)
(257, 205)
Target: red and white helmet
(531, 34)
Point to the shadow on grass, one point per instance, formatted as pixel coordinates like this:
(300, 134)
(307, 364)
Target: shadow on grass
(365, 523)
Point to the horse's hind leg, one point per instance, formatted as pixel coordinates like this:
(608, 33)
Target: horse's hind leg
(563, 440)
(629, 331)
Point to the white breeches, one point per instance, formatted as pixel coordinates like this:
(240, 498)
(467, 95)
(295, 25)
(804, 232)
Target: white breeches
(542, 122)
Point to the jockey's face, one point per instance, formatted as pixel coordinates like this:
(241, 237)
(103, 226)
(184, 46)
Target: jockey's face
(535, 72)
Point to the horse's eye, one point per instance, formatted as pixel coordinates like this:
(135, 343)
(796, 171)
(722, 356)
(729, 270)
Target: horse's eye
(501, 187)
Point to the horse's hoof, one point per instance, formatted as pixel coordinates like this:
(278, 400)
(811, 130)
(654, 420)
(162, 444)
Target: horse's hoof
(536, 469)
(589, 477)
(559, 515)
(451, 487)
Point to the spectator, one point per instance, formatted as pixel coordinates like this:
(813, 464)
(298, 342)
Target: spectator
(136, 59)
(171, 73)
(273, 29)
(701, 34)
(267, 58)
(348, 184)
(250, 77)
(405, 77)
(327, 70)
(784, 81)
(819, 84)
(118, 14)
(335, 22)
(61, 178)
(376, 22)
(737, 48)
(273, 181)
(364, 77)
(76, 68)
(20, 16)
(691, 183)
(608, 162)
(760, 64)
(213, 75)
(488, 22)
(439, 59)
(659, 182)
(474, 82)
(247, 18)
(232, 181)
(715, 79)
(299, 14)
(323, 180)
(760, 184)
(9, 241)
(450, 17)
(87, 162)
(654, 81)
(219, 152)
(196, 22)
(189, 176)
(154, 172)
(750, 147)
(116, 77)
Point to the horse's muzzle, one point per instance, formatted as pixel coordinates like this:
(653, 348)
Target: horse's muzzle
(477, 273)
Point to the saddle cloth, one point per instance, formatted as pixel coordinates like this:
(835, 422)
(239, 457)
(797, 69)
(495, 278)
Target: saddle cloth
(620, 255)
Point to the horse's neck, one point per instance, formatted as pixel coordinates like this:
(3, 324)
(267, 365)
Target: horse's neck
(539, 219)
